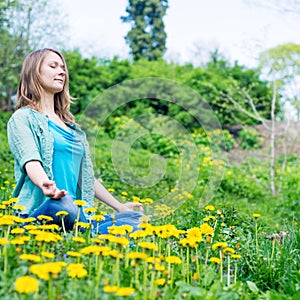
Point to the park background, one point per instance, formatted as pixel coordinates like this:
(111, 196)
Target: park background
(242, 58)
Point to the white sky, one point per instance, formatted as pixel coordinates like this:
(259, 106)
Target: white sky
(240, 31)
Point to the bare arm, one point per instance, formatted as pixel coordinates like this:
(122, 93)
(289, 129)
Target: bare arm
(103, 194)
(39, 177)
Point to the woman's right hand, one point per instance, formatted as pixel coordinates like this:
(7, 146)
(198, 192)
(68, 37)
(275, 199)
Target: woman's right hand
(49, 189)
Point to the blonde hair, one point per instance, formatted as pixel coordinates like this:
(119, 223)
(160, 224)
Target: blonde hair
(30, 87)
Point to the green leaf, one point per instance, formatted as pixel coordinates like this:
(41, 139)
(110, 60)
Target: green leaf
(252, 286)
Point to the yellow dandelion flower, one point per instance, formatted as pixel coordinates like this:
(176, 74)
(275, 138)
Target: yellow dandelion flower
(160, 281)
(195, 233)
(78, 239)
(80, 203)
(219, 245)
(125, 291)
(188, 242)
(110, 289)
(173, 259)
(256, 216)
(17, 231)
(153, 260)
(47, 254)
(13, 200)
(236, 256)
(124, 193)
(44, 271)
(98, 218)
(113, 253)
(4, 241)
(120, 240)
(138, 234)
(107, 237)
(18, 207)
(48, 237)
(136, 255)
(76, 270)
(44, 218)
(30, 227)
(159, 267)
(26, 284)
(84, 225)
(97, 240)
(74, 254)
(206, 229)
(215, 260)
(122, 230)
(49, 227)
(228, 251)
(20, 240)
(145, 219)
(4, 221)
(29, 220)
(94, 249)
(90, 210)
(135, 199)
(111, 190)
(30, 257)
(39, 272)
(210, 207)
(62, 213)
(18, 219)
(148, 245)
(6, 203)
(35, 231)
(196, 276)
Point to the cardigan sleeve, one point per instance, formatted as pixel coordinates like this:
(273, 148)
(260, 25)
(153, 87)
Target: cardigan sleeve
(21, 139)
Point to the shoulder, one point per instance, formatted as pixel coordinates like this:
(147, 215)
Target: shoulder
(21, 114)
(25, 114)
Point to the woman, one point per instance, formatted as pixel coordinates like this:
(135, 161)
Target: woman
(52, 159)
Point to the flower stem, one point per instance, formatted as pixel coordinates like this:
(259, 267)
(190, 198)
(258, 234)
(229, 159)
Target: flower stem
(221, 266)
(228, 271)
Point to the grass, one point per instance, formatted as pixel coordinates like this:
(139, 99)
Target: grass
(181, 256)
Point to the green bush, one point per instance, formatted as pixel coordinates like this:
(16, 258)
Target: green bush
(249, 138)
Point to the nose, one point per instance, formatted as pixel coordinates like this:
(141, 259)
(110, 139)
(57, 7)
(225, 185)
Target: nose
(62, 71)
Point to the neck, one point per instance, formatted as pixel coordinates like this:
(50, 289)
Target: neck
(47, 104)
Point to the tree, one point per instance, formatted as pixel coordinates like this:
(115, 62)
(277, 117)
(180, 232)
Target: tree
(147, 37)
(24, 26)
(90, 76)
(283, 64)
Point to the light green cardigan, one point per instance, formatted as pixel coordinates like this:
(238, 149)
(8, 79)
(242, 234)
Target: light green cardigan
(30, 139)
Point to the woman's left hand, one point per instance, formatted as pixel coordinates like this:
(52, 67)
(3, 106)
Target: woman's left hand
(130, 206)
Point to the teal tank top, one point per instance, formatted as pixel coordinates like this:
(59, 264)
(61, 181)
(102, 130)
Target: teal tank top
(67, 156)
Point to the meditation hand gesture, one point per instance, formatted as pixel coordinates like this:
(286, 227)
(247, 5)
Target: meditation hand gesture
(49, 189)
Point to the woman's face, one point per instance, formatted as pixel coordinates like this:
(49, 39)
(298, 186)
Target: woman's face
(52, 71)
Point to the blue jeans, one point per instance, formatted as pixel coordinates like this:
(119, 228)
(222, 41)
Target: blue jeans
(51, 207)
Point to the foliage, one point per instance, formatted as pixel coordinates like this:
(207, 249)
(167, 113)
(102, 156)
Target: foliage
(282, 63)
(90, 76)
(147, 36)
(221, 254)
(24, 26)
(6, 158)
(249, 138)
(268, 245)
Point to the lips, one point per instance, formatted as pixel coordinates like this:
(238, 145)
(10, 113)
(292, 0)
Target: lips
(60, 80)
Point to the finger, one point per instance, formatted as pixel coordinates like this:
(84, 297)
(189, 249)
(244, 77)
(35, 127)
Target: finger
(59, 194)
(140, 206)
